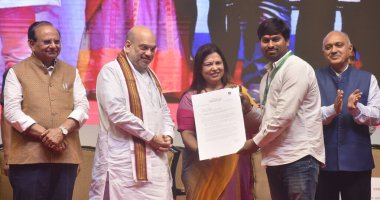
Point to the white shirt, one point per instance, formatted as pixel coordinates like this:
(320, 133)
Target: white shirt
(115, 147)
(21, 121)
(292, 126)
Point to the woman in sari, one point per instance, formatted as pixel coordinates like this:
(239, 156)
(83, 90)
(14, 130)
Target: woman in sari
(227, 177)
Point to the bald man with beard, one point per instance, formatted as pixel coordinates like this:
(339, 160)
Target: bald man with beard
(350, 103)
(136, 129)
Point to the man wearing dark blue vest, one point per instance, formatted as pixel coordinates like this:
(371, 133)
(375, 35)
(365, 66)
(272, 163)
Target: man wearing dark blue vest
(350, 103)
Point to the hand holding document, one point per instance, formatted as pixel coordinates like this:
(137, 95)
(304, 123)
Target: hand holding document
(219, 123)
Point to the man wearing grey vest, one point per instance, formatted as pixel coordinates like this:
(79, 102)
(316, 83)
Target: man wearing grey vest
(350, 103)
(46, 104)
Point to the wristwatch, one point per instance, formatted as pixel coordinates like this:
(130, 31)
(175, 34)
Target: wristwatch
(64, 130)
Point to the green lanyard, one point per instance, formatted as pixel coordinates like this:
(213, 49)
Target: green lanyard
(268, 82)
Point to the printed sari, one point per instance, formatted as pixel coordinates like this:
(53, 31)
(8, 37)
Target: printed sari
(227, 177)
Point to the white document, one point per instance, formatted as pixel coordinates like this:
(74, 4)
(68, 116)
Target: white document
(219, 122)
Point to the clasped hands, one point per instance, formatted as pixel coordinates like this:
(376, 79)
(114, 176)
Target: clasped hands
(161, 142)
(53, 139)
(353, 99)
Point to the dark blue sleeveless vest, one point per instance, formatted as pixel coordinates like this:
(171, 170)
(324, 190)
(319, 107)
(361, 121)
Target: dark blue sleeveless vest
(348, 144)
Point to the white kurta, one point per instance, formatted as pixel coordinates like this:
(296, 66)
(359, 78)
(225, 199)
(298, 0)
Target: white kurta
(115, 148)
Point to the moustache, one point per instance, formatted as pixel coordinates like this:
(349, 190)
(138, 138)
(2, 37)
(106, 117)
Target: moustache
(147, 57)
(272, 48)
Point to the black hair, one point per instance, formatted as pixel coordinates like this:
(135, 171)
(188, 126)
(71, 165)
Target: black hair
(32, 29)
(199, 83)
(273, 26)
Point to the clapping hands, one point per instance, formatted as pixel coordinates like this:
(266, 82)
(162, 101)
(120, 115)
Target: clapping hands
(353, 99)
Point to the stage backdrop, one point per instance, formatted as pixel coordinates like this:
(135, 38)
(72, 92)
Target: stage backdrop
(93, 32)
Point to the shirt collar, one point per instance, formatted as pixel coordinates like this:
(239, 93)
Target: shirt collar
(340, 74)
(51, 67)
(42, 65)
(273, 65)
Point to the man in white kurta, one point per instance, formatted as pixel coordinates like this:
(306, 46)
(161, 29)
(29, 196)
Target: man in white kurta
(114, 171)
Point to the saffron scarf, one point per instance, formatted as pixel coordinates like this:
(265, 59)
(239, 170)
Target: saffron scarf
(136, 109)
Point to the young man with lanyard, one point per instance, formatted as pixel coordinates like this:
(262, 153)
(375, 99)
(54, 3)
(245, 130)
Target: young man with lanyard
(290, 136)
